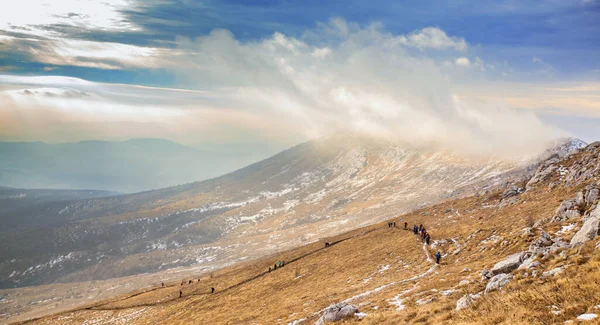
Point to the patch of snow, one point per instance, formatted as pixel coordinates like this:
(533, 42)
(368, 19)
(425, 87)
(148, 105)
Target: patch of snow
(397, 301)
(566, 228)
(587, 316)
(360, 315)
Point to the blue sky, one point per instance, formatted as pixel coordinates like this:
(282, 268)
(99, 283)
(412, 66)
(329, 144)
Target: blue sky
(537, 58)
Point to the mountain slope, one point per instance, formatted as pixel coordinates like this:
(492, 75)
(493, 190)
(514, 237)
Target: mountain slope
(389, 275)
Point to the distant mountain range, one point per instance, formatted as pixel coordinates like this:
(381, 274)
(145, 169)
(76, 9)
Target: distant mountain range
(127, 166)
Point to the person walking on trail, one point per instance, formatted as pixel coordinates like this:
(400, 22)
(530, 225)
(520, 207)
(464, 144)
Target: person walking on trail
(438, 256)
(415, 229)
(405, 225)
(180, 293)
(427, 239)
(212, 290)
(163, 284)
(269, 269)
(420, 227)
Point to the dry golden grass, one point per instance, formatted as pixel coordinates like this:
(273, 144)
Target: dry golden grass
(477, 232)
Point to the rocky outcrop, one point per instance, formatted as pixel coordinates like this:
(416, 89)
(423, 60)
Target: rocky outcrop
(497, 282)
(509, 264)
(529, 263)
(568, 209)
(589, 230)
(554, 271)
(543, 172)
(337, 312)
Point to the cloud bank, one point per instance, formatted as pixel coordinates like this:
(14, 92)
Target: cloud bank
(362, 80)
(424, 88)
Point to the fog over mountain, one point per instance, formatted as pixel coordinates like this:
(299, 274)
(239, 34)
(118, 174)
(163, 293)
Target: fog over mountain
(125, 166)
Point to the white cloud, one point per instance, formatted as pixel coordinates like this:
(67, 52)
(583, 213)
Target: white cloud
(368, 83)
(462, 62)
(537, 60)
(33, 16)
(290, 89)
(433, 37)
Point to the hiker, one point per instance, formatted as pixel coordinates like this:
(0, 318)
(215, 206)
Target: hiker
(275, 267)
(415, 229)
(182, 283)
(438, 256)
(427, 239)
(394, 224)
(405, 225)
(163, 284)
(420, 227)
(269, 269)
(282, 263)
(212, 290)
(190, 282)
(180, 293)
(327, 244)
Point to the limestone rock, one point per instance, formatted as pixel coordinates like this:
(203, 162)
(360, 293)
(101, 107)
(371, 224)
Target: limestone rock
(464, 302)
(588, 231)
(337, 312)
(497, 282)
(566, 210)
(509, 264)
(554, 271)
(529, 263)
(592, 196)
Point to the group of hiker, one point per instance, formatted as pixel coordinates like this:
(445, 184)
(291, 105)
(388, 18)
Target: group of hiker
(183, 282)
(277, 265)
(417, 230)
(425, 237)
(420, 230)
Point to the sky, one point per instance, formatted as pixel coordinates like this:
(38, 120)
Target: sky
(260, 76)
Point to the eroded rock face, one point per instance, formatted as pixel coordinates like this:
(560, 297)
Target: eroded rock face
(337, 312)
(510, 263)
(497, 282)
(588, 231)
(568, 209)
(543, 172)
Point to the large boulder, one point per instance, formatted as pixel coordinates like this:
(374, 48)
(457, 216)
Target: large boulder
(337, 312)
(544, 171)
(588, 231)
(497, 282)
(567, 209)
(510, 263)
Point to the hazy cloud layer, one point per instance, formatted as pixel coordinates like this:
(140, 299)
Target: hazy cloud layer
(422, 88)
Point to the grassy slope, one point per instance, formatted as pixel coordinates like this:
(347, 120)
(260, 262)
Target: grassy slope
(353, 269)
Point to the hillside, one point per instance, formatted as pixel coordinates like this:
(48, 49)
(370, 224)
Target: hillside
(508, 256)
(124, 166)
(316, 189)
